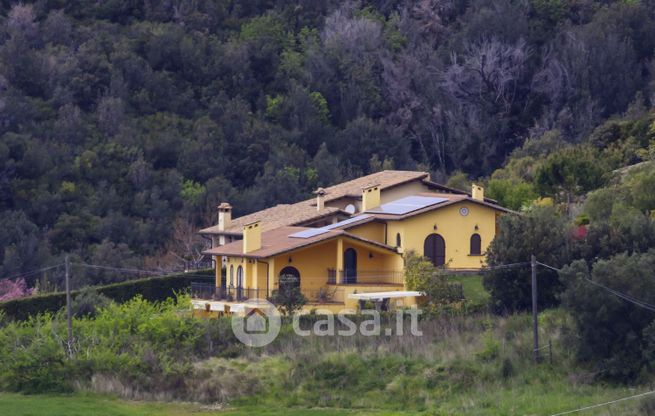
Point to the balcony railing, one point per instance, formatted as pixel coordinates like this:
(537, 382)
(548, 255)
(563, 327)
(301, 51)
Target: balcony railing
(349, 277)
(208, 291)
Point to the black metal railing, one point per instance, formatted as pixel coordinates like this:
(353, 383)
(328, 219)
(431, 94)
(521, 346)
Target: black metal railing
(349, 277)
(208, 291)
(231, 294)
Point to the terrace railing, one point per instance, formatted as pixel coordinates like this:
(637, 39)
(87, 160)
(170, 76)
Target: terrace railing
(207, 291)
(348, 277)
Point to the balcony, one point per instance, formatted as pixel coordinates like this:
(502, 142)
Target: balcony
(366, 277)
(208, 291)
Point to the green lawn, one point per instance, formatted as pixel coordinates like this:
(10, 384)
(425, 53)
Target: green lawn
(91, 405)
(473, 289)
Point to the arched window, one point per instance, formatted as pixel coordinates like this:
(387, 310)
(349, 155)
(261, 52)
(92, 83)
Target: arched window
(350, 209)
(398, 240)
(434, 248)
(239, 276)
(240, 295)
(289, 277)
(476, 245)
(231, 275)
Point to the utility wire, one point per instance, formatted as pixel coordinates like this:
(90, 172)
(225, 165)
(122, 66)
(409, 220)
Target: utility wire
(485, 269)
(615, 292)
(119, 269)
(32, 272)
(159, 273)
(594, 406)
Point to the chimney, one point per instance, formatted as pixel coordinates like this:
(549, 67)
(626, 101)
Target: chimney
(252, 237)
(477, 192)
(320, 198)
(224, 216)
(370, 197)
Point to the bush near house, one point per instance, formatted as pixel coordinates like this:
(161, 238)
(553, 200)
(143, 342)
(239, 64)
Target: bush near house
(614, 337)
(152, 289)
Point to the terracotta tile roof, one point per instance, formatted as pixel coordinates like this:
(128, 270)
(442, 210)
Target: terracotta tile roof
(385, 178)
(304, 211)
(277, 216)
(279, 241)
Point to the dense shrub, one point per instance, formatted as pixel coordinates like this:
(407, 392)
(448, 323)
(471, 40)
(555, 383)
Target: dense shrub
(140, 344)
(152, 289)
(542, 232)
(613, 336)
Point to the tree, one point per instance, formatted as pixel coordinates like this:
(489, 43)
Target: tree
(421, 275)
(541, 232)
(570, 172)
(612, 335)
(13, 289)
(511, 194)
(288, 298)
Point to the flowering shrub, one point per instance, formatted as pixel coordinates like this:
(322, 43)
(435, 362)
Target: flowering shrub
(13, 289)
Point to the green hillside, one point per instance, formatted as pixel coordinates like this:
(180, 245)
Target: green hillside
(123, 124)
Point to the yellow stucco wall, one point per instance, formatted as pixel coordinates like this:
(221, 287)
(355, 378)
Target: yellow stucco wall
(371, 231)
(313, 263)
(453, 227)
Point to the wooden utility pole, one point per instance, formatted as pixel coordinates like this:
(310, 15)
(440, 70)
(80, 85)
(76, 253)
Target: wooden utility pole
(535, 327)
(69, 311)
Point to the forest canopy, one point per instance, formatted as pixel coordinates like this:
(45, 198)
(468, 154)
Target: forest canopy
(123, 124)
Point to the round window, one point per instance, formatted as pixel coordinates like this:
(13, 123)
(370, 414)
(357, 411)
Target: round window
(463, 211)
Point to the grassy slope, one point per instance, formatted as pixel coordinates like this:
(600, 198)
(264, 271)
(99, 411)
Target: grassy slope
(473, 289)
(85, 405)
(456, 368)
(523, 400)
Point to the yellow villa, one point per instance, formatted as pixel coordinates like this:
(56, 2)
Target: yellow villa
(347, 244)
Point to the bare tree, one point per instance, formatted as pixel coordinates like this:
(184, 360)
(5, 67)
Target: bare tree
(187, 245)
(488, 73)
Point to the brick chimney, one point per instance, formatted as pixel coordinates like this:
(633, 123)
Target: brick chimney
(252, 237)
(224, 216)
(320, 198)
(370, 197)
(477, 192)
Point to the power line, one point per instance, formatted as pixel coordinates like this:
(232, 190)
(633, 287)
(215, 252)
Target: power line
(594, 406)
(119, 269)
(615, 292)
(32, 272)
(156, 273)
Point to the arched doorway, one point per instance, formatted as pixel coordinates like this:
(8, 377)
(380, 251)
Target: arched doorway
(350, 266)
(434, 248)
(289, 277)
(239, 282)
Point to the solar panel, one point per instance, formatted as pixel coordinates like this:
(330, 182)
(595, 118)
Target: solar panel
(407, 204)
(312, 232)
(346, 222)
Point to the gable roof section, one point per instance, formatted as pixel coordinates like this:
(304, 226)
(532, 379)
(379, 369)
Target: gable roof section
(448, 199)
(280, 241)
(304, 211)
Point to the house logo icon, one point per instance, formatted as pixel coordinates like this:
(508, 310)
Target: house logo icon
(256, 322)
(259, 325)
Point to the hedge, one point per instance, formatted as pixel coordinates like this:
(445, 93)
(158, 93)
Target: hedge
(151, 288)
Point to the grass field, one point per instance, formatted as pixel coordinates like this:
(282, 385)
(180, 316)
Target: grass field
(473, 364)
(526, 400)
(473, 289)
(86, 405)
